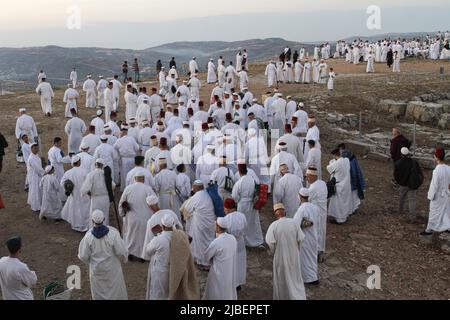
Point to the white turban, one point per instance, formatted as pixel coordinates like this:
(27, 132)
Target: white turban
(84, 145)
(404, 151)
(304, 192)
(152, 200)
(98, 216)
(223, 223)
(100, 161)
(75, 159)
(168, 221)
(99, 112)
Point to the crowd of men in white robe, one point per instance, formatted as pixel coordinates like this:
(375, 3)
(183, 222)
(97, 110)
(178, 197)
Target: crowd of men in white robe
(162, 160)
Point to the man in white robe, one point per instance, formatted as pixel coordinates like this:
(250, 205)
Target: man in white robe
(439, 196)
(104, 250)
(237, 228)
(109, 100)
(127, 148)
(51, 205)
(87, 160)
(73, 77)
(231, 74)
(283, 157)
(117, 85)
(286, 191)
(89, 87)
(139, 168)
(243, 193)
(70, 98)
(57, 159)
(308, 217)
(135, 212)
(370, 63)
(312, 134)
(306, 76)
(341, 205)
(284, 238)
(298, 70)
(130, 103)
(25, 125)
(194, 85)
(293, 143)
(34, 176)
(198, 211)
(243, 79)
(75, 128)
(98, 123)
(221, 70)
(206, 164)
(315, 68)
(314, 158)
(193, 66)
(165, 185)
(271, 74)
(101, 87)
(222, 253)
(76, 209)
(45, 91)
(211, 77)
(16, 279)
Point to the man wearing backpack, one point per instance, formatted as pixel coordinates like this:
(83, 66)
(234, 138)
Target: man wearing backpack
(408, 175)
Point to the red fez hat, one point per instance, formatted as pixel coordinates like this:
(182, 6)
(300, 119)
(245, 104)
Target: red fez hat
(210, 120)
(228, 116)
(204, 126)
(229, 203)
(113, 114)
(439, 153)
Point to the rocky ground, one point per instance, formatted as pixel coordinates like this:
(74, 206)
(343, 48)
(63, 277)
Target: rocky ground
(375, 235)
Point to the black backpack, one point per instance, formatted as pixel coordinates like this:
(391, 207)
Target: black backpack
(331, 186)
(415, 176)
(228, 182)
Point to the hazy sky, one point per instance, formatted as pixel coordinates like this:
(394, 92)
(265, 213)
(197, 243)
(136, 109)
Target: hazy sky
(42, 22)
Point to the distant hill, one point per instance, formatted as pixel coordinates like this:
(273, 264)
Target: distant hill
(24, 63)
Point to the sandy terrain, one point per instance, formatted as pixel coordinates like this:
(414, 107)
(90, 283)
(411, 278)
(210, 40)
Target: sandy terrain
(376, 235)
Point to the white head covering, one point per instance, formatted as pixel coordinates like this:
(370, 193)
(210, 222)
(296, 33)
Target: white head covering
(168, 221)
(404, 151)
(84, 145)
(198, 183)
(48, 169)
(152, 200)
(75, 159)
(22, 110)
(304, 192)
(99, 112)
(100, 161)
(223, 223)
(103, 137)
(98, 216)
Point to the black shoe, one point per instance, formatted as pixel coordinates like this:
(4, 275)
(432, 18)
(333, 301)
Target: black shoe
(424, 233)
(314, 283)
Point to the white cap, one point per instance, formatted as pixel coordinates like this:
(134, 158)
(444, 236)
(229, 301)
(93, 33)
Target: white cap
(48, 169)
(103, 137)
(98, 216)
(106, 126)
(304, 192)
(255, 100)
(139, 174)
(22, 110)
(152, 200)
(99, 112)
(404, 151)
(132, 120)
(198, 183)
(279, 94)
(100, 161)
(301, 104)
(185, 123)
(210, 147)
(223, 223)
(84, 145)
(75, 159)
(124, 127)
(168, 221)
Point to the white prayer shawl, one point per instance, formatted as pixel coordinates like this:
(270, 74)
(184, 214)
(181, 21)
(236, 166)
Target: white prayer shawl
(306, 77)
(76, 209)
(57, 161)
(26, 125)
(99, 199)
(222, 253)
(202, 225)
(110, 103)
(341, 203)
(153, 222)
(135, 220)
(98, 123)
(105, 271)
(75, 128)
(165, 183)
(130, 106)
(101, 87)
(318, 195)
(211, 77)
(16, 279)
(243, 193)
(44, 89)
(51, 199)
(284, 238)
(89, 87)
(70, 98)
(127, 149)
(34, 175)
(238, 226)
(439, 196)
(310, 245)
(158, 251)
(286, 192)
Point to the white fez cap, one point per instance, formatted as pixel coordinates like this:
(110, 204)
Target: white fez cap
(168, 220)
(304, 192)
(100, 161)
(75, 159)
(223, 223)
(99, 112)
(404, 151)
(152, 200)
(98, 216)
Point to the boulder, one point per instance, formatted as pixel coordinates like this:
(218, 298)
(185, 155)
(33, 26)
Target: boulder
(396, 108)
(444, 122)
(425, 112)
(425, 162)
(445, 105)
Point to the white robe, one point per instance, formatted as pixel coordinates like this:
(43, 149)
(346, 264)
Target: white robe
(16, 279)
(221, 277)
(158, 251)
(73, 77)
(99, 198)
(44, 89)
(312, 134)
(26, 125)
(34, 175)
(57, 161)
(135, 220)
(298, 70)
(51, 200)
(284, 238)
(201, 225)
(310, 245)
(101, 87)
(127, 148)
(76, 208)
(314, 160)
(109, 103)
(439, 196)
(211, 77)
(243, 193)
(306, 77)
(341, 203)
(89, 87)
(238, 226)
(286, 192)
(130, 106)
(318, 195)
(105, 271)
(75, 128)
(165, 184)
(70, 98)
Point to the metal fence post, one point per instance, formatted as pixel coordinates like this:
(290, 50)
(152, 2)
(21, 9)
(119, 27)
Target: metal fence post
(360, 123)
(414, 138)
